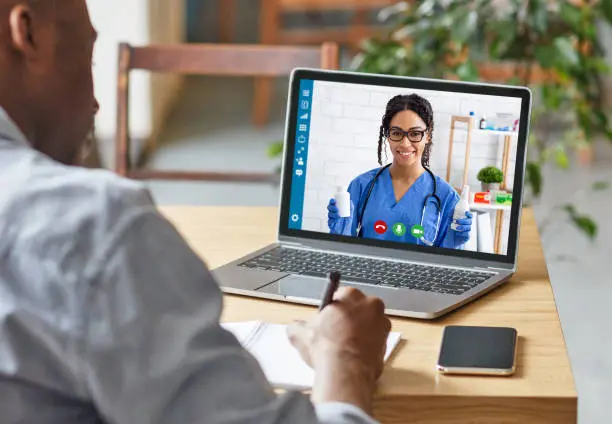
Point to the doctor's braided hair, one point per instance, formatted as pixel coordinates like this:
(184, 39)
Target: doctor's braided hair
(418, 105)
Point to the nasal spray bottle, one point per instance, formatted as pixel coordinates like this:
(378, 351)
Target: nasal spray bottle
(343, 202)
(462, 207)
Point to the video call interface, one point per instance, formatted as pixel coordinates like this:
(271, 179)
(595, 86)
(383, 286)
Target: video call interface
(373, 162)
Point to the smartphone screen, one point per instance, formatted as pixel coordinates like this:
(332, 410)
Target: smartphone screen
(478, 350)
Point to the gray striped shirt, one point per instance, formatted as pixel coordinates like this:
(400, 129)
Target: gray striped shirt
(107, 315)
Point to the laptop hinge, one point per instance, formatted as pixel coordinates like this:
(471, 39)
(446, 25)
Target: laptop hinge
(290, 243)
(491, 268)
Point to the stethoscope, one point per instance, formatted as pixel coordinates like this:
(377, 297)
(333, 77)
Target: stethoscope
(433, 195)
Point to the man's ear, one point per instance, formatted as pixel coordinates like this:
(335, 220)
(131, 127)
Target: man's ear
(21, 29)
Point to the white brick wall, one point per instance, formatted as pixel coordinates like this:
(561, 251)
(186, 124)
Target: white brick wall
(344, 128)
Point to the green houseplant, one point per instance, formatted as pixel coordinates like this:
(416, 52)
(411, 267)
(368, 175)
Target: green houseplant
(490, 177)
(552, 46)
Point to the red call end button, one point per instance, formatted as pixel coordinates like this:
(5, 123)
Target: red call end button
(380, 227)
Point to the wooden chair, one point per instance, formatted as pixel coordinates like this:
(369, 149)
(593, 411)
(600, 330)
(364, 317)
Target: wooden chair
(226, 20)
(207, 59)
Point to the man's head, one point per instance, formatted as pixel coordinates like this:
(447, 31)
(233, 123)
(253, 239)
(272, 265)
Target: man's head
(46, 83)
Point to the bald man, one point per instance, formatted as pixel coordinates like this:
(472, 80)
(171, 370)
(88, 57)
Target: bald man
(106, 314)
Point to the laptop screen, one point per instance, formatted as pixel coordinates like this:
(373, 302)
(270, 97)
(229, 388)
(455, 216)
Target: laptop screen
(418, 167)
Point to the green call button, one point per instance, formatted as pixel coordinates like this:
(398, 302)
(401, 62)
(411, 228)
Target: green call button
(399, 229)
(417, 231)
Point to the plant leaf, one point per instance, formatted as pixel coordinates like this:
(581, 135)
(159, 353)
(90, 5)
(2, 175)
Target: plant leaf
(570, 14)
(566, 50)
(570, 209)
(420, 46)
(546, 55)
(504, 33)
(552, 96)
(606, 8)
(467, 71)
(597, 64)
(561, 158)
(583, 222)
(560, 53)
(425, 8)
(464, 26)
(600, 185)
(534, 177)
(392, 11)
(538, 15)
(602, 118)
(587, 225)
(275, 149)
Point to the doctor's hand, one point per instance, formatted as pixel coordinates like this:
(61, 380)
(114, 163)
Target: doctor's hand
(462, 227)
(337, 224)
(345, 344)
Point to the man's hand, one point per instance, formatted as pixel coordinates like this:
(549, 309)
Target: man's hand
(345, 345)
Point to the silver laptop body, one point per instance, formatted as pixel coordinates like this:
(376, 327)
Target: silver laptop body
(272, 282)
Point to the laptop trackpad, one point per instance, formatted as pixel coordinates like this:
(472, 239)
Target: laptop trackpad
(310, 288)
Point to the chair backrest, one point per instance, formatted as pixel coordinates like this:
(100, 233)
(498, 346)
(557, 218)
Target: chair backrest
(240, 60)
(227, 59)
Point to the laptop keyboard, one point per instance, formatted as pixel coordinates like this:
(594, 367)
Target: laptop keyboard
(369, 271)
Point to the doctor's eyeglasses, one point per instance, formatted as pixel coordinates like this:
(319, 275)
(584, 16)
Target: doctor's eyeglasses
(414, 136)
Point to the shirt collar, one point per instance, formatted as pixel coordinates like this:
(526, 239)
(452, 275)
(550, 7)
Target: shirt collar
(9, 130)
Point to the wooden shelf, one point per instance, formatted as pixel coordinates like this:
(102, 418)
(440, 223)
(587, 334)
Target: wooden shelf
(490, 132)
(497, 132)
(471, 129)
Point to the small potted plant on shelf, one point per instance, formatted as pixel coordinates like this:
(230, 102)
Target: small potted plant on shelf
(490, 177)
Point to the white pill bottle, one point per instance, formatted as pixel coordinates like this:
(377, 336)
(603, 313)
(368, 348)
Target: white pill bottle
(462, 207)
(343, 202)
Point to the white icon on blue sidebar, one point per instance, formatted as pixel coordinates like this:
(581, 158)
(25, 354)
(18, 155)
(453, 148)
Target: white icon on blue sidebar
(295, 217)
(304, 116)
(299, 172)
(301, 139)
(306, 93)
(300, 162)
(303, 127)
(305, 104)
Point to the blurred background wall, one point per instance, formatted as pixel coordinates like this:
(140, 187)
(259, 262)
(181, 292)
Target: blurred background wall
(138, 22)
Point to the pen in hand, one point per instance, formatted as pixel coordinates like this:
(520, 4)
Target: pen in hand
(332, 286)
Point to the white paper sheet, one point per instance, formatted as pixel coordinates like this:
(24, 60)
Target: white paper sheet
(280, 361)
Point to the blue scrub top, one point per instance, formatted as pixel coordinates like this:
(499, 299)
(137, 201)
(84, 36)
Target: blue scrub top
(383, 207)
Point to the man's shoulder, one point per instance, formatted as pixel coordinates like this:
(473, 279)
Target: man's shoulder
(66, 188)
(48, 198)
(54, 220)
(106, 189)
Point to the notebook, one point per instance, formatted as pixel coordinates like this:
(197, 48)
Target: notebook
(280, 361)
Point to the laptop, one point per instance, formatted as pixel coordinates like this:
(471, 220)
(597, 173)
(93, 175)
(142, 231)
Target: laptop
(333, 126)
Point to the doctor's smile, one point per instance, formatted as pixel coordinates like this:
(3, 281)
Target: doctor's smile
(405, 191)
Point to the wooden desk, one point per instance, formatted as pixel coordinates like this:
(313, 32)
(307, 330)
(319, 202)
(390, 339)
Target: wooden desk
(410, 390)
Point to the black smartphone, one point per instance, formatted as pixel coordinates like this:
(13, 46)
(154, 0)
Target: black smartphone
(478, 350)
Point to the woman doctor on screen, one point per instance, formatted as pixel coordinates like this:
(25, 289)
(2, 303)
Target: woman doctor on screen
(406, 201)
